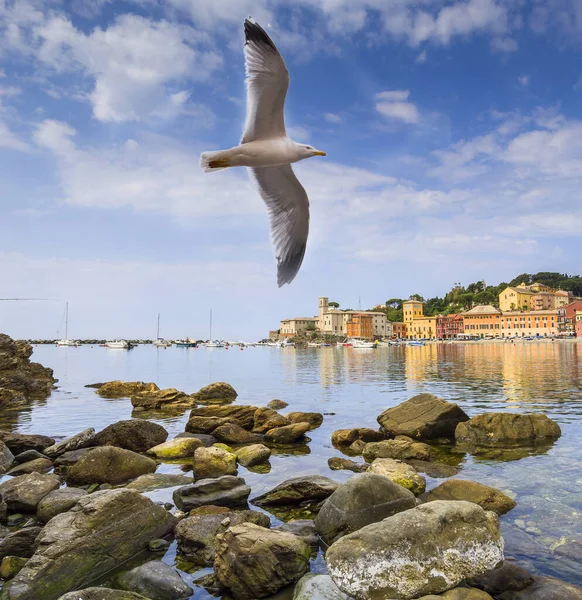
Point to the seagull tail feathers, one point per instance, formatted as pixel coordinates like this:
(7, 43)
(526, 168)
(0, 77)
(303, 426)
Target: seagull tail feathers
(213, 161)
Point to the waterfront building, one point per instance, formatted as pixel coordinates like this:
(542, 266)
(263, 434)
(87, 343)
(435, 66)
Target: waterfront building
(449, 327)
(543, 301)
(398, 330)
(335, 321)
(516, 298)
(538, 323)
(417, 325)
(482, 321)
(578, 327)
(360, 325)
(291, 327)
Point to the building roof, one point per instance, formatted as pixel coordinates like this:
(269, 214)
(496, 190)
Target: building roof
(529, 313)
(521, 290)
(483, 309)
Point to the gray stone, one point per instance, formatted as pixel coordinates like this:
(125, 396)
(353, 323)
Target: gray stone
(39, 465)
(256, 454)
(6, 458)
(425, 550)
(75, 442)
(21, 442)
(156, 481)
(205, 439)
(20, 543)
(157, 581)
(337, 463)
(298, 490)
(232, 433)
(27, 456)
(215, 393)
(302, 528)
(463, 593)
(23, 493)
(545, 588)
(364, 499)
(505, 578)
(399, 472)
(228, 491)
(317, 587)
(137, 435)
(213, 462)
(68, 459)
(57, 502)
(400, 449)
(99, 593)
(288, 434)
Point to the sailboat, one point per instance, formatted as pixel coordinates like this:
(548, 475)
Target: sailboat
(213, 343)
(67, 341)
(160, 343)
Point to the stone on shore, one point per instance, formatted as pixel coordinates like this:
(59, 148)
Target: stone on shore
(125, 389)
(434, 469)
(336, 463)
(11, 398)
(57, 502)
(21, 442)
(99, 593)
(76, 442)
(401, 449)
(99, 533)
(23, 493)
(228, 491)
(287, 435)
(196, 535)
(176, 448)
(156, 481)
(298, 490)
(545, 588)
(206, 425)
(400, 473)
(162, 399)
(232, 433)
(155, 580)
(215, 393)
(26, 456)
(423, 417)
(425, 550)
(205, 439)
(254, 562)
(6, 458)
(20, 543)
(465, 594)
(243, 414)
(11, 566)
(488, 498)
(267, 418)
(314, 419)
(317, 587)
(249, 456)
(136, 435)
(507, 429)
(213, 462)
(109, 464)
(346, 437)
(68, 459)
(302, 528)
(364, 499)
(509, 577)
(277, 404)
(40, 465)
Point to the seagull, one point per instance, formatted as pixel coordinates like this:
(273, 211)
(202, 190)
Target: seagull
(268, 153)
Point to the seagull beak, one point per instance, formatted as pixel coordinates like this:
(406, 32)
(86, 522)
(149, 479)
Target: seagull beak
(319, 153)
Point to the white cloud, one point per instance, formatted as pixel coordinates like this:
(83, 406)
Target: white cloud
(421, 58)
(298, 133)
(523, 80)
(504, 44)
(394, 105)
(11, 141)
(332, 118)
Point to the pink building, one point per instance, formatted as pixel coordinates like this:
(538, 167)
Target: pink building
(543, 301)
(579, 328)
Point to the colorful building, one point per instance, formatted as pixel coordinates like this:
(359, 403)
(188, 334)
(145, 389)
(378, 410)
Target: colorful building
(482, 321)
(578, 327)
(449, 327)
(538, 323)
(417, 325)
(291, 327)
(360, 325)
(398, 330)
(516, 298)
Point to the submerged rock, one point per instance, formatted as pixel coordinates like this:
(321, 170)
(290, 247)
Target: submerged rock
(21, 442)
(249, 456)
(288, 434)
(136, 435)
(226, 491)
(277, 404)
(242, 414)
(254, 562)
(401, 448)
(423, 417)
(346, 437)
(75, 442)
(162, 399)
(364, 499)
(215, 393)
(425, 550)
(434, 469)
(156, 481)
(314, 419)
(486, 497)
(317, 587)
(58, 501)
(465, 594)
(545, 588)
(176, 448)
(98, 534)
(213, 462)
(338, 464)
(399, 472)
(23, 493)
(232, 433)
(509, 577)
(125, 389)
(155, 580)
(298, 490)
(267, 418)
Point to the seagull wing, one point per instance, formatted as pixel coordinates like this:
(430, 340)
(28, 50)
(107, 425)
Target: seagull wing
(288, 207)
(267, 84)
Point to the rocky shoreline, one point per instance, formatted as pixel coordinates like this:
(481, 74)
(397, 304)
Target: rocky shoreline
(76, 525)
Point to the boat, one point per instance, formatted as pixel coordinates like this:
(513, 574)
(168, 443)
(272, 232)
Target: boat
(67, 341)
(213, 343)
(119, 345)
(416, 343)
(186, 343)
(160, 342)
(363, 344)
(314, 344)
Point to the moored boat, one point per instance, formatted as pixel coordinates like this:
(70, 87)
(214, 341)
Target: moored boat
(119, 345)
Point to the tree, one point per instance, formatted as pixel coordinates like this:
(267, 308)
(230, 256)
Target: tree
(334, 304)
(416, 297)
(394, 303)
(310, 327)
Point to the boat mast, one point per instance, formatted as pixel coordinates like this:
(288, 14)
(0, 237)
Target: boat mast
(66, 320)
(158, 335)
(210, 325)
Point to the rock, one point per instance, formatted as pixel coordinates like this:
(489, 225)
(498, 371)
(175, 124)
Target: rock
(277, 404)
(434, 469)
(423, 417)
(249, 456)
(571, 549)
(57, 502)
(162, 399)
(317, 587)
(486, 497)
(206, 425)
(302, 528)
(346, 437)
(508, 577)
(227, 491)
(109, 464)
(213, 462)
(298, 490)
(11, 566)
(205, 440)
(40, 465)
(399, 472)
(135, 434)
(209, 510)
(27, 456)
(99, 533)
(545, 588)
(159, 546)
(242, 414)
(215, 393)
(155, 580)
(20, 543)
(155, 481)
(289, 434)
(23, 493)
(3, 512)
(424, 550)
(76, 442)
(196, 535)
(99, 593)
(68, 459)
(11, 398)
(362, 500)
(314, 419)
(338, 464)
(231, 433)
(267, 418)
(509, 429)
(20, 442)
(6, 458)
(254, 562)
(125, 389)
(176, 448)
(465, 594)
(356, 448)
(399, 449)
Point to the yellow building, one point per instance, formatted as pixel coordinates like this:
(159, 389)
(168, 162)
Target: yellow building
(482, 321)
(542, 323)
(516, 298)
(417, 325)
(291, 327)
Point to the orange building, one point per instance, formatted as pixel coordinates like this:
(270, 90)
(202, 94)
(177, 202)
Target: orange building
(360, 325)
(482, 321)
(399, 330)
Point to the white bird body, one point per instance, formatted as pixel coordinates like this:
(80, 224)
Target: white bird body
(268, 153)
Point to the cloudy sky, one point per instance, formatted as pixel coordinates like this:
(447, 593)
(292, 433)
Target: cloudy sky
(453, 132)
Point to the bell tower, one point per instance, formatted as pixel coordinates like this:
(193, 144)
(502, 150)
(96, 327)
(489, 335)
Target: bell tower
(323, 308)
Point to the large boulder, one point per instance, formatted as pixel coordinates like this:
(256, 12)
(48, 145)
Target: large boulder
(108, 464)
(254, 562)
(314, 419)
(267, 418)
(125, 389)
(196, 535)
(75, 442)
(206, 425)
(545, 588)
(23, 493)
(250, 456)
(288, 434)
(99, 533)
(39, 465)
(176, 448)
(242, 414)
(401, 448)
(400, 473)
(423, 417)
(464, 593)
(298, 490)
(425, 550)
(437, 470)
(215, 393)
(6, 458)
(99, 593)
(11, 398)
(134, 434)
(228, 491)
(213, 462)
(508, 577)
(302, 528)
(486, 497)
(317, 587)
(507, 429)
(363, 499)
(346, 437)
(57, 502)
(162, 399)
(20, 543)
(232, 433)
(21, 442)
(156, 481)
(155, 580)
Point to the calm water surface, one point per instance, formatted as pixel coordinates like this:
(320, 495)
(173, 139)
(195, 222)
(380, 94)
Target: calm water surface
(351, 387)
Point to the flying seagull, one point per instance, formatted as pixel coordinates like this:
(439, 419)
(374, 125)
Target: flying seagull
(268, 152)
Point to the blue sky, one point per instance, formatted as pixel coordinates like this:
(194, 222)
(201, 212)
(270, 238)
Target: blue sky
(453, 132)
